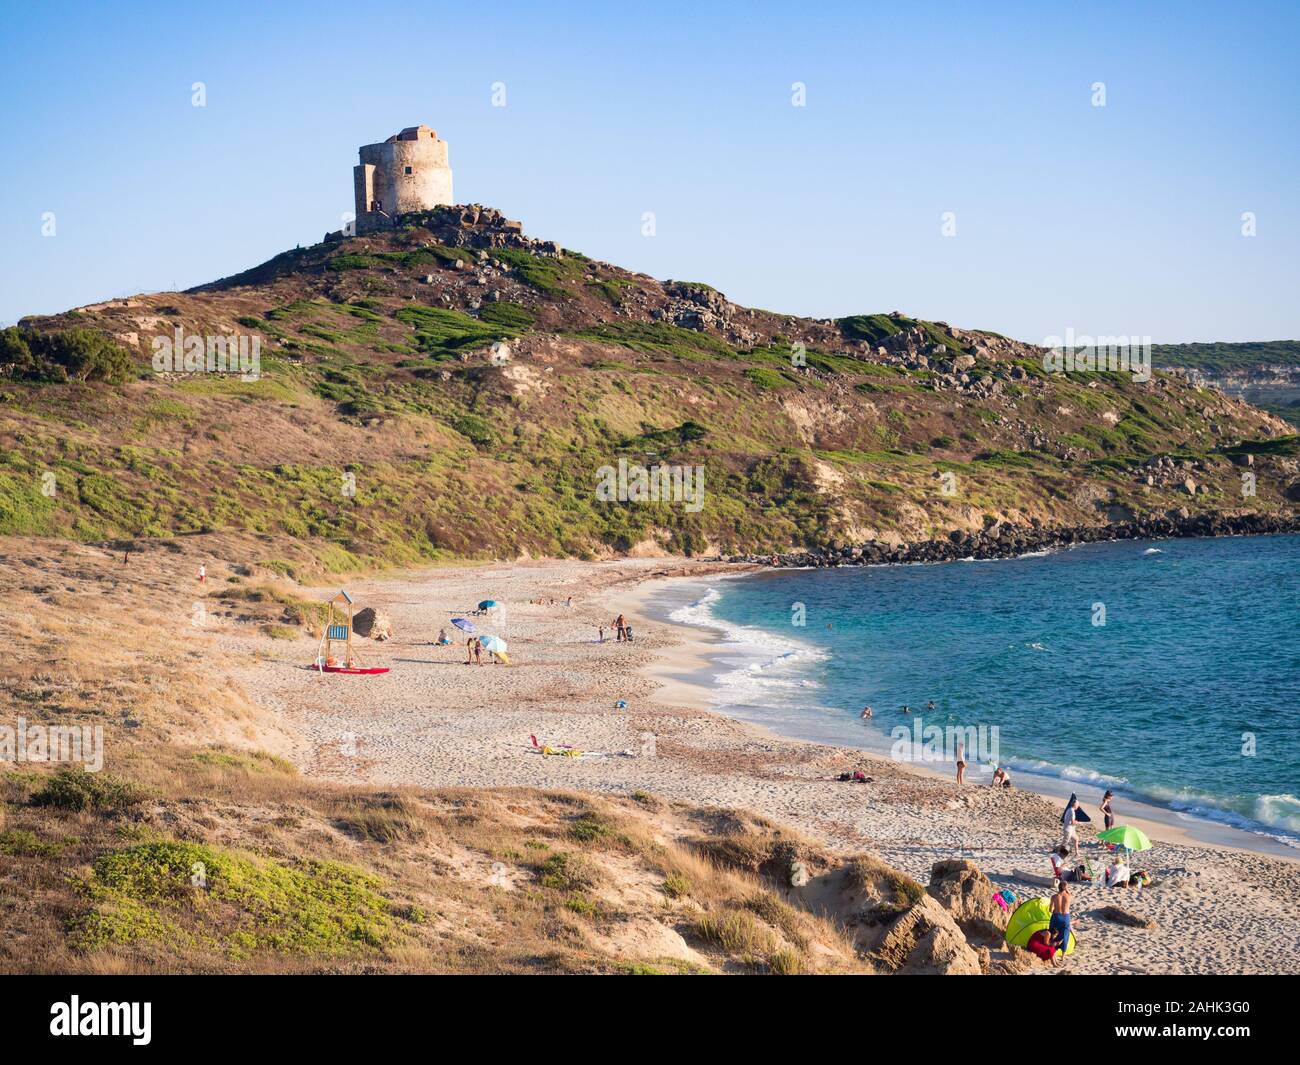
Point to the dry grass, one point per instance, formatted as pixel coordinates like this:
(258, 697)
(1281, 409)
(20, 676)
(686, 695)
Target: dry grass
(309, 876)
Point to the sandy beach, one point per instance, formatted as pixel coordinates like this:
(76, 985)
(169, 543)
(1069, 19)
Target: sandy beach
(434, 721)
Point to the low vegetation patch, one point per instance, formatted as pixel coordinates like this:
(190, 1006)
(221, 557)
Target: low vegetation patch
(236, 902)
(76, 789)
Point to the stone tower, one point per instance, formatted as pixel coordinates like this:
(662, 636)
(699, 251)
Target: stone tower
(408, 172)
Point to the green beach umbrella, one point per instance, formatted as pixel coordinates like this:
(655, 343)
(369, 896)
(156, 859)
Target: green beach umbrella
(1126, 836)
(1032, 915)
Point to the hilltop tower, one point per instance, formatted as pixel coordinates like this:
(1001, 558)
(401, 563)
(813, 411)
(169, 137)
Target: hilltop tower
(408, 172)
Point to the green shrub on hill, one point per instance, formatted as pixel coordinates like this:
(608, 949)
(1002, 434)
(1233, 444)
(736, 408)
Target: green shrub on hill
(70, 355)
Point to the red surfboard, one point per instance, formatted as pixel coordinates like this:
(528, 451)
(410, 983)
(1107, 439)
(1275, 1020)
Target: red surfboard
(363, 670)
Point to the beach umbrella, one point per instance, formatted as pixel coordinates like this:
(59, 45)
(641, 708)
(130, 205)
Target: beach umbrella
(1126, 836)
(487, 604)
(463, 625)
(1032, 915)
(494, 644)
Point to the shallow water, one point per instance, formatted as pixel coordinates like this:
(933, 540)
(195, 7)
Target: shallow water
(1198, 651)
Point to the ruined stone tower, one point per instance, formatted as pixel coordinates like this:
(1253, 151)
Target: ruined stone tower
(408, 172)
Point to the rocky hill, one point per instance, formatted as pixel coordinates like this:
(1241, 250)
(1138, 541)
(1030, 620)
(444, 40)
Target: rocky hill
(454, 387)
(1265, 374)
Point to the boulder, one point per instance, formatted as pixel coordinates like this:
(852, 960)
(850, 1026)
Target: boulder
(925, 941)
(966, 893)
(890, 918)
(369, 622)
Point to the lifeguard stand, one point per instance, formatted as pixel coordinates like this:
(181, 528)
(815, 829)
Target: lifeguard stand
(337, 631)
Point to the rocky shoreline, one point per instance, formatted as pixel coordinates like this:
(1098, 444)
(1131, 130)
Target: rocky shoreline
(1005, 540)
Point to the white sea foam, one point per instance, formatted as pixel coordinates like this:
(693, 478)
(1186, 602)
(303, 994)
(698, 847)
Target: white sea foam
(769, 672)
(769, 667)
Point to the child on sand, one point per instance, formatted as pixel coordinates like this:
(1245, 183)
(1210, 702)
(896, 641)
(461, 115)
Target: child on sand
(203, 573)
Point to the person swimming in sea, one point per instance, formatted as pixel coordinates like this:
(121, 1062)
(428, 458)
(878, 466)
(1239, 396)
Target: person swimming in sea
(866, 713)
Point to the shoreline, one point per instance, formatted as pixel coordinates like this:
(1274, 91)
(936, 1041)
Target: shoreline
(1007, 540)
(435, 722)
(688, 673)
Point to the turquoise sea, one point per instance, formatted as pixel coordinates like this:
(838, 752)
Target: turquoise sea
(1187, 696)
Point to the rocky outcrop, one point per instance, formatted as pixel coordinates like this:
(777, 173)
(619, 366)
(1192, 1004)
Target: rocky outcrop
(1005, 540)
(700, 307)
(926, 942)
(369, 622)
(888, 915)
(967, 894)
(891, 919)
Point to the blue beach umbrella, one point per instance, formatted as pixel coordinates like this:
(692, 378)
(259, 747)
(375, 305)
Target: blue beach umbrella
(487, 604)
(494, 644)
(463, 625)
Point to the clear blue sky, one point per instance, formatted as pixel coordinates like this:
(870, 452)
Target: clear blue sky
(1116, 220)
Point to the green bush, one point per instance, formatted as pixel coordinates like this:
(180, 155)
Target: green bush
(75, 789)
(70, 355)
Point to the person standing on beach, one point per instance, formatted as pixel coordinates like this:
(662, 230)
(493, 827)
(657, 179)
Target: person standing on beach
(601, 630)
(1108, 811)
(469, 650)
(620, 630)
(203, 573)
(1059, 926)
(961, 762)
(478, 651)
(1070, 834)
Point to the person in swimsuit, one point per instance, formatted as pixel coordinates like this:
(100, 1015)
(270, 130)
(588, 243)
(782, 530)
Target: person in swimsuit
(961, 762)
(1107, 810)
(866, 712)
